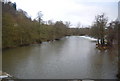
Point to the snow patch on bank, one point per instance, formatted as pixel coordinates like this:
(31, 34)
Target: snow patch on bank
(90, 38)
(4, 76)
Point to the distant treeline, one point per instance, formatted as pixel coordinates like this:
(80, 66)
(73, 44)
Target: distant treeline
(19, 29)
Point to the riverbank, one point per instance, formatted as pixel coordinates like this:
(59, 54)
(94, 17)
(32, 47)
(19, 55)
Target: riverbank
(56, 39)
(23, 45)
(90, 38)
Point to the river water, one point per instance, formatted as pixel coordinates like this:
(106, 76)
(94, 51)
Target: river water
(71, 57)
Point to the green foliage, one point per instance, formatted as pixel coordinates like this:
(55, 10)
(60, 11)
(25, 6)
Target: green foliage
(8, 30)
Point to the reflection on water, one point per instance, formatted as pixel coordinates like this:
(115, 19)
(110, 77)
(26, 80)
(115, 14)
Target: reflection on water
(70, 58)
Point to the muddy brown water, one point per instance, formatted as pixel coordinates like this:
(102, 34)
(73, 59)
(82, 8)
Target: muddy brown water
(72, 57)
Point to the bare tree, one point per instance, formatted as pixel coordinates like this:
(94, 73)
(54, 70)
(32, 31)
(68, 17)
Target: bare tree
(67, 23)
(39, 16)
(78, 25)
(99, 26)
(50, 22)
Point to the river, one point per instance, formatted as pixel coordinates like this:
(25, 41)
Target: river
(72, 57)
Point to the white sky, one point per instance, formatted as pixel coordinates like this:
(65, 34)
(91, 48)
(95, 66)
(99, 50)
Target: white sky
(75, 11)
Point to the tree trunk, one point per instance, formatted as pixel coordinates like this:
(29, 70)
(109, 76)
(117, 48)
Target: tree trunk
(98, 41)
(102, 41)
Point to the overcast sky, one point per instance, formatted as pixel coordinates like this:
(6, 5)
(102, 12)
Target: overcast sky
(83, 11)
